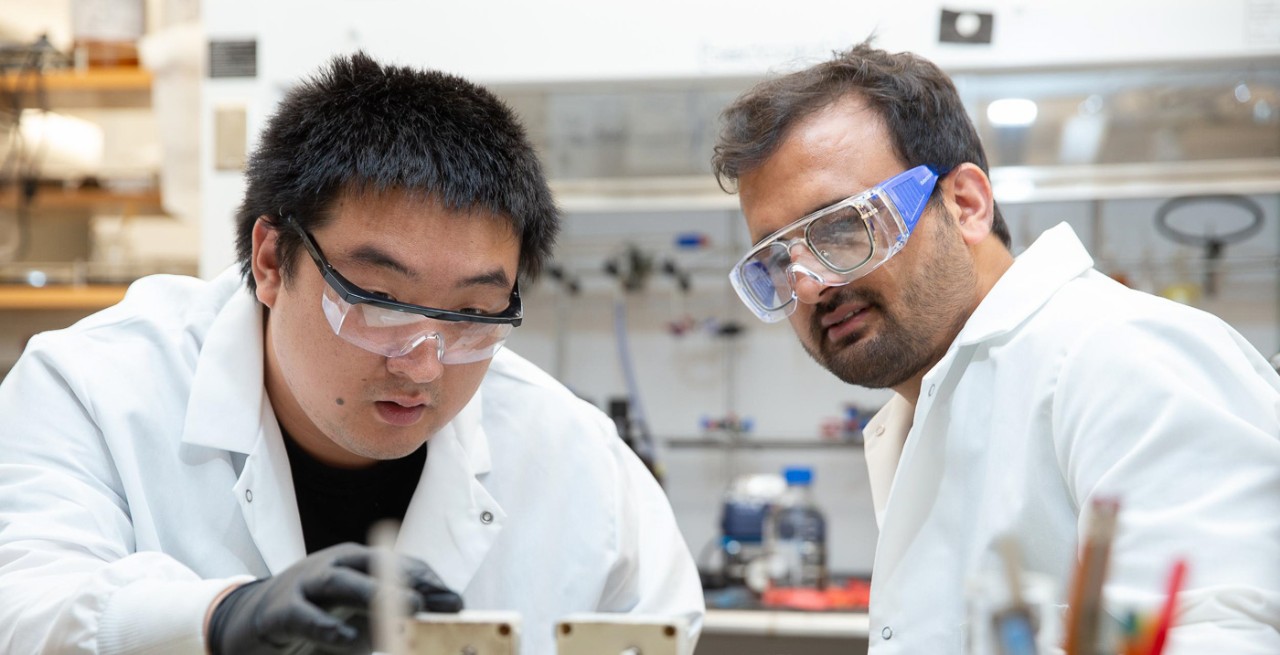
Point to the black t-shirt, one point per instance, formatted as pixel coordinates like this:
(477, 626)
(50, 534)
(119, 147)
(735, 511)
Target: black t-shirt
(339, 505)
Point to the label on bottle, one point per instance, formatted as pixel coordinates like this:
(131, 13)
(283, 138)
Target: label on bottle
(798, 563)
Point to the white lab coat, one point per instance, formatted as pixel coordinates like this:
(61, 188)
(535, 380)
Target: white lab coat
(142, 470)
(1065, 386)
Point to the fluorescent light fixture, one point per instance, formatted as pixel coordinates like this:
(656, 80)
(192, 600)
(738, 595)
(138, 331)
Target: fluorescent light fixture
(1011, 112)
(1013, 190)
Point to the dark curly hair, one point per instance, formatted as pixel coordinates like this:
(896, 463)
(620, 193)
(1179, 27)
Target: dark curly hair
(920, 106)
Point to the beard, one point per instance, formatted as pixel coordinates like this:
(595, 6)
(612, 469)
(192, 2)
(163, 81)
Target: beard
(914, 331)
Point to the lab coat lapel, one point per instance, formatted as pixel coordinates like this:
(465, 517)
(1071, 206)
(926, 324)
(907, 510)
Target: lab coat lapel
(453, 521)
(914, 491)
(226, 401)
(1056, 257)
(267, 499)
(228, 410)
(885, 435)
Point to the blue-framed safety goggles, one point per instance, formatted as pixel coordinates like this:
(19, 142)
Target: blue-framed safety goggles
(834, 245)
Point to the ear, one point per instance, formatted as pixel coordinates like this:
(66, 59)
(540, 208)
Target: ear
(967, 193)
(265, 262)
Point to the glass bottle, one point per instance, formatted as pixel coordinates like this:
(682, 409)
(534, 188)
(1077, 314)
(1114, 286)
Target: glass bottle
(796, 535)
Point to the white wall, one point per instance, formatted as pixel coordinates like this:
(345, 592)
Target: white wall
(514, 40)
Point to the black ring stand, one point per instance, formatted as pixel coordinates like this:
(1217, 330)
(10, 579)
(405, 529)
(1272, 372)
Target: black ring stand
(1212, 243)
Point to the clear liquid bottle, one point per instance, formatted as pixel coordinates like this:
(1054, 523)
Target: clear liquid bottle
(796, 535)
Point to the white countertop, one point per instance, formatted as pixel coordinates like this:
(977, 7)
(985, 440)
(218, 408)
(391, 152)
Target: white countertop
(787, 623)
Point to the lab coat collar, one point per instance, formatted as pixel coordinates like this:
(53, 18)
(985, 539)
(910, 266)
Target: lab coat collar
(227, 398)
(1055, 258)
(267, 498)
(884, 436)
(228, 409)
(452, 520)
(445, 524)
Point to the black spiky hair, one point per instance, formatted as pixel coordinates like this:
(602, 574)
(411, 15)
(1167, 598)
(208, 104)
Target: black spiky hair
(359, 125)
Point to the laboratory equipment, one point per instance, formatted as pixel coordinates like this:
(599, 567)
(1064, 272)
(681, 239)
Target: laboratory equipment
(796, 535)
(1000, 622)
(1084, 610)
(635, 434)
(621, 634)
(742, 527)
(470, 632)
(1210, 235)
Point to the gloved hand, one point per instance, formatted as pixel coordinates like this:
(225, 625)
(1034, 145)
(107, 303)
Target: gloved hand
(306, 604)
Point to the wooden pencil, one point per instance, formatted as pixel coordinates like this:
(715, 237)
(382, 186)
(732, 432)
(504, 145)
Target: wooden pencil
(1085, 601)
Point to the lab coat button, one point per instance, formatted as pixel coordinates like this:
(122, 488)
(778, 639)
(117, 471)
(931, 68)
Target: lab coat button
(486, 517)
(248, 495)
(879, 430)
(932, 388)
(887, 633)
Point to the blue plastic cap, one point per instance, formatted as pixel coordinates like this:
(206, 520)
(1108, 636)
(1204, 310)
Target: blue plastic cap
(910, 191)
(689, 240)
(798, 475)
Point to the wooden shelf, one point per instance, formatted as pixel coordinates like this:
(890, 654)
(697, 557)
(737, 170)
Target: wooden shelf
(83, 297)
(88, 200)
(94, 87)
(92, 79)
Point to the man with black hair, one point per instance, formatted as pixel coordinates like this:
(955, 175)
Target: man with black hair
(1025, 389)
(197, 467)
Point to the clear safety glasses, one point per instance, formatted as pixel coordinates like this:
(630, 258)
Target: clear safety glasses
(394, 329)
(834, 245)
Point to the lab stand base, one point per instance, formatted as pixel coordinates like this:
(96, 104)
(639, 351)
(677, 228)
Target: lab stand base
(720, 644)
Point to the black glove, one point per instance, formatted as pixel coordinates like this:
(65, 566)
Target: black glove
(305, 605)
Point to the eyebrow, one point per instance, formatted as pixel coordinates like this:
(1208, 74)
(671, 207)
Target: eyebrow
(373, 256)
(494, 278)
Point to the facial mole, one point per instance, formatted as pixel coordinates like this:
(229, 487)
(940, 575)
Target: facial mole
(341, 401)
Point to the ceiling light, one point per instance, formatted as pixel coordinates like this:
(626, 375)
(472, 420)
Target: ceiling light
(1011, 112)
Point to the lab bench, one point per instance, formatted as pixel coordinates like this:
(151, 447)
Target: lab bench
(772, 632)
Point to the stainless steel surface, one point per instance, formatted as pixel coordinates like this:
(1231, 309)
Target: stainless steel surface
(1140, 130)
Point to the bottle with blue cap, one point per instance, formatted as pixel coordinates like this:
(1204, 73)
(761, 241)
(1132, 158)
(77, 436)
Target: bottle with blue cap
(796, 534)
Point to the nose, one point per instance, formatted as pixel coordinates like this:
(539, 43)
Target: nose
(807, 284)
(421, 364)
(805, 272)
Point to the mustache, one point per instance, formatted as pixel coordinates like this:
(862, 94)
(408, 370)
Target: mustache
(841, 296)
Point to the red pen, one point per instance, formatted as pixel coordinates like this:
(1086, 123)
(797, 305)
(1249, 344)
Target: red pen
(1170, 604)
